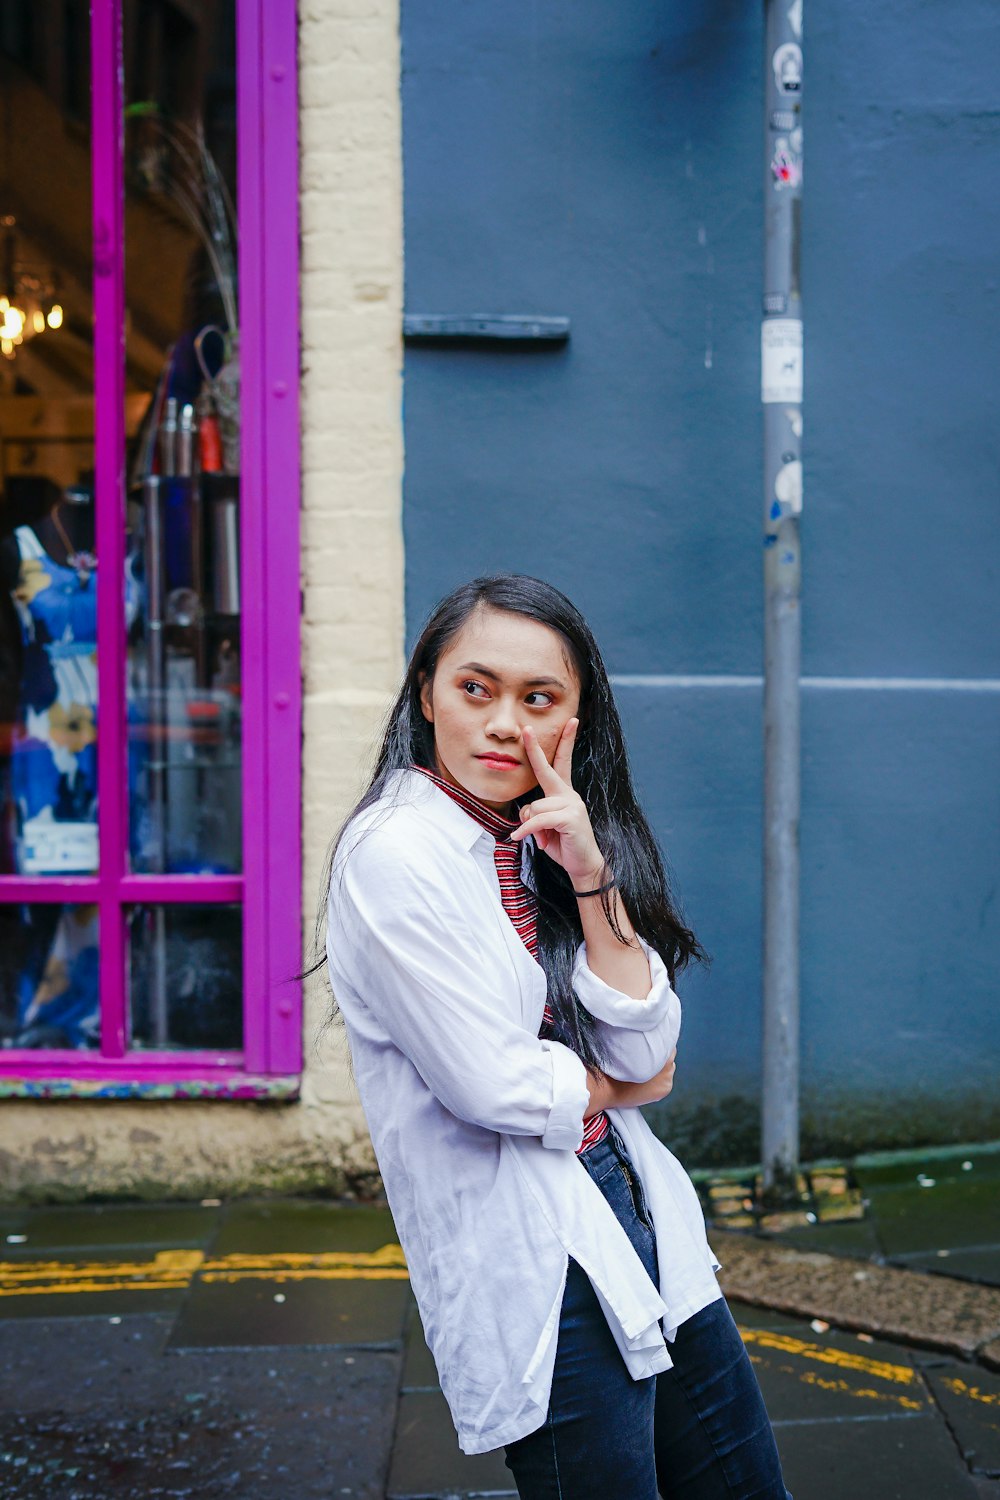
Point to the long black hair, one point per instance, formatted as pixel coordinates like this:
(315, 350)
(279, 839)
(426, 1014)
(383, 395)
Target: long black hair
(601, 775)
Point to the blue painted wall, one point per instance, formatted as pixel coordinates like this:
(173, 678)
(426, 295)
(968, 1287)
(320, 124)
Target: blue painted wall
(604, 163)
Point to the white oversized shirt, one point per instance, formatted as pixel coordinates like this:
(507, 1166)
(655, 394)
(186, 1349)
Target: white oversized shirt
(475, 1120)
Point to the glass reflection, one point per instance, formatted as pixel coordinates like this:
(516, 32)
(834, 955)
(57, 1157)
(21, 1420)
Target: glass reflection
(48, 605)
(183, 381)
(186, 969)
(49, 976)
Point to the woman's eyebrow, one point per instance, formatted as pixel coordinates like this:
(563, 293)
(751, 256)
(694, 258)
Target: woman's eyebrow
(475, 666)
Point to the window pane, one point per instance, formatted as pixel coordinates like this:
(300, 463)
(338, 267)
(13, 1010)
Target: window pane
(48, 605)
(186, 972)
(48, 976)
(182, 420)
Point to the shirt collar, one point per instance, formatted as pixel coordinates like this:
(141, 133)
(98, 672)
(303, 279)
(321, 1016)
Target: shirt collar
(487, 817)
(438, 806)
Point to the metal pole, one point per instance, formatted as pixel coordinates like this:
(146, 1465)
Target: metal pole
(781, 395)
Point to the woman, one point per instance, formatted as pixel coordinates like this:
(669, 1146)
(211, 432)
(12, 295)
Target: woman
(502, 948)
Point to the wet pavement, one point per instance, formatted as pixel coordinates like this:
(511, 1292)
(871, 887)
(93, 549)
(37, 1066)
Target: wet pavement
(264, 1350)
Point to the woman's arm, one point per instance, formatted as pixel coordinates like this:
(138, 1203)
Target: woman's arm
(637, 1035)
(611, 1093)
(399, 935)
(623, 965)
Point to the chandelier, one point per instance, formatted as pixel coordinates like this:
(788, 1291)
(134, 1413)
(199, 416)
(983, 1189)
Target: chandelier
(29, 303)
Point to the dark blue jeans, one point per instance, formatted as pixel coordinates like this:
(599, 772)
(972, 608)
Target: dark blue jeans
(696, 1432)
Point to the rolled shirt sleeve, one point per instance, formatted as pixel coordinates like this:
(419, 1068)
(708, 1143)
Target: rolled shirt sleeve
(400, 935)
(564, 1131)
(638, 1035)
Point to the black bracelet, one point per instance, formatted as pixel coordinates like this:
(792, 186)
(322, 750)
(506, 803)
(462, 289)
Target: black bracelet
(599, 891)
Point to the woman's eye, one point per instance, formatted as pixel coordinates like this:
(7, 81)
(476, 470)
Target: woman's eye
(546, 696)
(468, 685)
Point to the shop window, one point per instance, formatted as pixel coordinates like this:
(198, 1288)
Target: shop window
(149, 689)
(49, 983)
(186, 976)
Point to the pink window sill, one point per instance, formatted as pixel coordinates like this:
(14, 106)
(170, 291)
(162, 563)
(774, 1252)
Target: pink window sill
(68, 1075)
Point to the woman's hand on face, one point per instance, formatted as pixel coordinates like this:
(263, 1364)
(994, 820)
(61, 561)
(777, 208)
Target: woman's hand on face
(559, 820)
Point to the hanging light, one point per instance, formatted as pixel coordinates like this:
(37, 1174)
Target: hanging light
(12, 328)
(27, 308)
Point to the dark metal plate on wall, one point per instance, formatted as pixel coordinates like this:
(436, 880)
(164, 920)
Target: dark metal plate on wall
(479, 328)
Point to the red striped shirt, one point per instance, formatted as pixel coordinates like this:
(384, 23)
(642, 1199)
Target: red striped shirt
(520, 905)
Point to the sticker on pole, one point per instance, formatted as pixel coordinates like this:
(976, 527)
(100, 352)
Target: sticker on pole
(781, 360)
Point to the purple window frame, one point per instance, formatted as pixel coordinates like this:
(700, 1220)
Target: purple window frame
(269, 888)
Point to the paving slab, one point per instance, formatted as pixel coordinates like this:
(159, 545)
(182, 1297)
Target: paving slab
(428, 1464)
(419, 1369)
(297, 1273)
(91, 1410)
(749, 1316)
(858, 1239)
(260, 1313)
(946, 1214)
(955, 1316)
(308, 1228)
(12, 1222)
(970, 1399)
(883, 1169)
(887, 1458)
(979, 1263)
(117, 1226)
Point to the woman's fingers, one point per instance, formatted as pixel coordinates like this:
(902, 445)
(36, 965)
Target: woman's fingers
(554, 819)
(562, 761)
(548, 778)
(552, 776)
(542, 805)
(531, 819)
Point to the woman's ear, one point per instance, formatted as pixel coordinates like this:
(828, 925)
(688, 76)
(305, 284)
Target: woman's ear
(426, 705)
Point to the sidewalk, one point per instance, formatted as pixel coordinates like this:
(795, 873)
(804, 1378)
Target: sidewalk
(269, 1350)
(936, 1210)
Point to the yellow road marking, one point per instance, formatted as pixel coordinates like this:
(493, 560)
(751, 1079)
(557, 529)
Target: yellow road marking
(783, 1343)
(385, 1264)
(344, 1273)
(961, 1388)
(173, 1262)
(844, 1388)
(386, 1257)
(172, 1269)
(144, 1284)
(169, 1269)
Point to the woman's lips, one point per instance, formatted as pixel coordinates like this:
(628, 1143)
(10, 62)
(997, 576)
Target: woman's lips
(499, 762)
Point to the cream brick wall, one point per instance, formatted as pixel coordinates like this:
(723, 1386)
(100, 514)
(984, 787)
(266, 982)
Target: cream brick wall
(352, 635)
(352, 293)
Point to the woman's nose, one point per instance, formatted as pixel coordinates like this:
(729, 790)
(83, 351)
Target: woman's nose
(503, 722)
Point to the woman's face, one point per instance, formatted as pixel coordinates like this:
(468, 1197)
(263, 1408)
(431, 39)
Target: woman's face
(500, 672)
